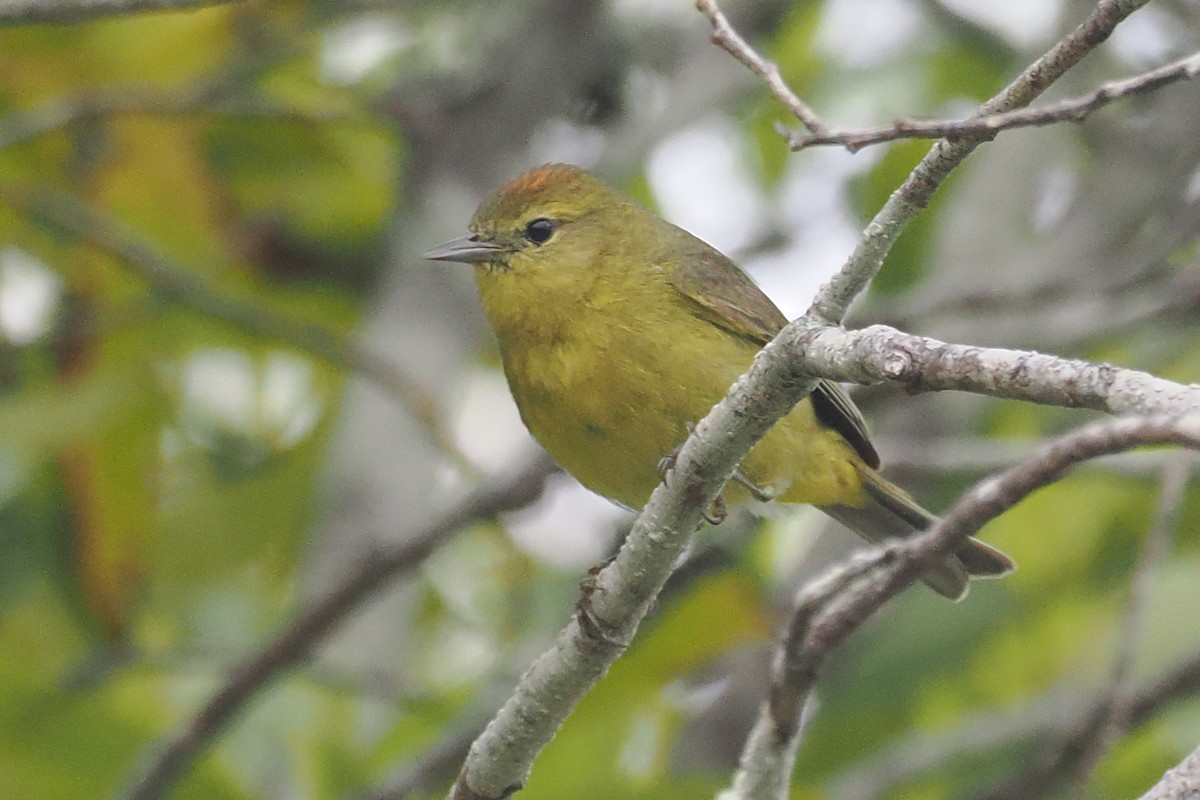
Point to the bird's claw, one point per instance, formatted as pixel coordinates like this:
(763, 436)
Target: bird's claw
(716, 513)
(667, 462)
(586, 615)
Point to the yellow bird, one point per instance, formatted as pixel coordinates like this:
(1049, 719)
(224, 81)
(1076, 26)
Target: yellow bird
(618, 329)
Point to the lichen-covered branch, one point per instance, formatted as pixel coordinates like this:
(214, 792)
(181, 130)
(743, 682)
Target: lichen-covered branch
(880, 354)
(830, 609)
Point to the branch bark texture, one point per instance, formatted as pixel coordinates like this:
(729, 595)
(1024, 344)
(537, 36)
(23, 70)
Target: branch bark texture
(880, 354)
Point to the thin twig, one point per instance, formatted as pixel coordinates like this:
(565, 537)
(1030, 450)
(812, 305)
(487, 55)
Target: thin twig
(1075, 109)
(913, 195)
(65, 212)
(309, 628)
(725, 36)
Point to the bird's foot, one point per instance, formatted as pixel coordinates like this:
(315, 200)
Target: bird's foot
(586, 615)
(667, 462)
(716, 513)
(757, 491)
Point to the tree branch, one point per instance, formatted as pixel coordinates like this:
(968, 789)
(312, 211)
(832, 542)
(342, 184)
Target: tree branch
(1073, 110)
(830, 609)
(880, 354)
(913, 195)
(298, 638)
(40, 12)
(725, 36)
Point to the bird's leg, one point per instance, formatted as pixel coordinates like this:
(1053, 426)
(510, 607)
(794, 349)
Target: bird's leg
(585, 614)
(757, 491)
(715, 514)
(666, 464)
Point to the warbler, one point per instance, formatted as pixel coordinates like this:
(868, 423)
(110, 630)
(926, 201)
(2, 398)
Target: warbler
(617, 330)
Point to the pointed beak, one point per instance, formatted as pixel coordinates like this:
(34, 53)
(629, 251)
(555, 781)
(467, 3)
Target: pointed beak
(468, 250)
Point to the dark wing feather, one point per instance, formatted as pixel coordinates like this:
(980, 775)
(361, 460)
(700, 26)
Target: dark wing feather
(834, 407)
(727, 297)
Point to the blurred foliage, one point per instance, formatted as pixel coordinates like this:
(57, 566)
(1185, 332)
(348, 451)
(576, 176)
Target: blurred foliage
(163, 474)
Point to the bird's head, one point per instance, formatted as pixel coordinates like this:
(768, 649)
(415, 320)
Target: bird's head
(556, 216)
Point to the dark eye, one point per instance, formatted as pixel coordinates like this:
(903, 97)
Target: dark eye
(539, 230)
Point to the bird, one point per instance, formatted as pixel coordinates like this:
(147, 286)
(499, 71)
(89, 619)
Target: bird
(618, 330)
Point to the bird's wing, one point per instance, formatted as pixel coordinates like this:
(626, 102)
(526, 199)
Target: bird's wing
(726, 296)
(834, 407)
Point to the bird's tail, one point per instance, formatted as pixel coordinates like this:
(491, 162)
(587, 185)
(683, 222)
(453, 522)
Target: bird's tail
(891, 513)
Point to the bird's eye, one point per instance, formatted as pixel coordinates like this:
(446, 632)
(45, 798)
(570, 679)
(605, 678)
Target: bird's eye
(539, 231)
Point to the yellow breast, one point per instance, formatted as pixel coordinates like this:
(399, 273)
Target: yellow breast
(608, 395)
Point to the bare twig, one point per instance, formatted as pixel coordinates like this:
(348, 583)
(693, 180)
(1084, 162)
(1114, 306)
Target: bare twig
(309, 627)
(725, 36)
(64, 212)
(881, 233)
(39, 12)
(764, 768)
(1075, 109)
(823, 619)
